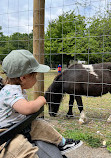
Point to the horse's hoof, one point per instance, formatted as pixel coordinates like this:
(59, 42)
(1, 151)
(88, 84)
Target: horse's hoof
(52, 114)
(69, 116)
(81, 121)
(109, 119)
(83, 118)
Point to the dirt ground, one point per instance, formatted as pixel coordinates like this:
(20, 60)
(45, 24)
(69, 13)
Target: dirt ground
(88, 152)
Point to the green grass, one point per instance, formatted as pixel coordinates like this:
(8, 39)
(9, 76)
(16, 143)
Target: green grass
(108, 144)
(90, 139)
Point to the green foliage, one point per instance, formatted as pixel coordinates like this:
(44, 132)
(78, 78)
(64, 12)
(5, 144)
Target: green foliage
(61, 34)
(71, 35)
(15, 41)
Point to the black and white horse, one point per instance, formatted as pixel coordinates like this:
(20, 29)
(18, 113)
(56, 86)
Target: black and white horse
(78, 80)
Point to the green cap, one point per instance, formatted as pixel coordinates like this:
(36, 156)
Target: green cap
(21, 62)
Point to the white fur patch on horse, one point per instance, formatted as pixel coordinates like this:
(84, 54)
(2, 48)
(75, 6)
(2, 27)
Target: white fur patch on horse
(109, 119)
(83, 118)
(90, 69)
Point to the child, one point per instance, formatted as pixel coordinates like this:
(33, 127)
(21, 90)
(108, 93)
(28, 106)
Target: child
(21, 69)
(59, 68)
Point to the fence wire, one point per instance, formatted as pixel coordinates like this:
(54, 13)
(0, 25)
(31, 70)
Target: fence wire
(76, 32)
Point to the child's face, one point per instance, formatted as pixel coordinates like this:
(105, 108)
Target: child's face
(28, 81)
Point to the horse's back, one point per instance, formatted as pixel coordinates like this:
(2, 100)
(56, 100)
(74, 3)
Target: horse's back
(95, 73)
(91, 80)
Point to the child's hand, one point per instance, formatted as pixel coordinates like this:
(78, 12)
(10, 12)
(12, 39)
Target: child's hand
(41, 99)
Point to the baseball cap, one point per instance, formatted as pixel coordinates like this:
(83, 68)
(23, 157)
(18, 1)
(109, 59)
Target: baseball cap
(21, 62)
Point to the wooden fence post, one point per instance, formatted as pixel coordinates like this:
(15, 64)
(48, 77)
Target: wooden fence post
(38, 43)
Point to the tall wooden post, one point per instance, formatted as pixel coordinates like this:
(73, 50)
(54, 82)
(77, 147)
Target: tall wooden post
(38, 42)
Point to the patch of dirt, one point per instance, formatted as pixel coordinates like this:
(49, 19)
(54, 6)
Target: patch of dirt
(88, 152)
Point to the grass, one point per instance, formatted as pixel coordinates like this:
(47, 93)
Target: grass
(86, 137)
(109, 145)
(97, 109)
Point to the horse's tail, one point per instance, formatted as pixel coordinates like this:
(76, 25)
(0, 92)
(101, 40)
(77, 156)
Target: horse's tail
(54, 95)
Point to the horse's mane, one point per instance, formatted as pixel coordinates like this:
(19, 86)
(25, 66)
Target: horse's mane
(57, 77)
(72, 65)
(106, 65)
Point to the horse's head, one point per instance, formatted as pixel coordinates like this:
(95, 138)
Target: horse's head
(53, 109)
(54, 96)
(53, 101)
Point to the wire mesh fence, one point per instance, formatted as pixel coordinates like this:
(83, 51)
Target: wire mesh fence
(75, 32)
(79, 34)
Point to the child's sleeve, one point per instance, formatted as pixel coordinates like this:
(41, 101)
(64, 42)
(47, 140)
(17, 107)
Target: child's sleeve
(13, 96)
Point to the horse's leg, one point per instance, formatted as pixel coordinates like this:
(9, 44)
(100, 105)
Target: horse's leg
(71, 101)
(83, 118)
(79, 103)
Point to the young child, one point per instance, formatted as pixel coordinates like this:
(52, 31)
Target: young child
(21, 69)
(59, 68)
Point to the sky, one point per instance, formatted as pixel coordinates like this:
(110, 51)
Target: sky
(17, 15)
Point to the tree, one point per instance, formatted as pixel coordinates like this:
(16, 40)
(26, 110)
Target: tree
(61, 35)
(15, 41)
(100, 28)
(74, 38)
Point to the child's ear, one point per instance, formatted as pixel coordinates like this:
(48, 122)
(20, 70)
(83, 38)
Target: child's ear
(22, 78)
